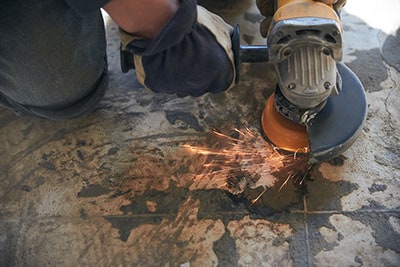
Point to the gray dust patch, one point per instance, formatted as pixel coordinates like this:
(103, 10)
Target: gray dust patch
(93, 190)
(369, 68)
(226, 251)
(383, 232)
(391, 49)
(188, 120)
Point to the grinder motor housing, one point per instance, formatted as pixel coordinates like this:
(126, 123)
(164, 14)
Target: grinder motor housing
(304, 44)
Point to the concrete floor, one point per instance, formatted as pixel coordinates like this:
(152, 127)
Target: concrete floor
(119, 187)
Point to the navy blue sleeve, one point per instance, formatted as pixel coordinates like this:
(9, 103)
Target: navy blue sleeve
(84, 7)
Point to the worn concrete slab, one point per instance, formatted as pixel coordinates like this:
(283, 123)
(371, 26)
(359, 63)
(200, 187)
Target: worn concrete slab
(119, 187)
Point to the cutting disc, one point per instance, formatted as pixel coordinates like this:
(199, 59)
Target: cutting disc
(282, 132)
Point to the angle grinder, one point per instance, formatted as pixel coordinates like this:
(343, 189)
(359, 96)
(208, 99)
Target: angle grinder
(319, 104)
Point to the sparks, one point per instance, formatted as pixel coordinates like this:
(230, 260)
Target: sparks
(242, 159)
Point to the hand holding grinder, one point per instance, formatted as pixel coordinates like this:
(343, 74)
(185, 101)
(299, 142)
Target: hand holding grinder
(318, 106)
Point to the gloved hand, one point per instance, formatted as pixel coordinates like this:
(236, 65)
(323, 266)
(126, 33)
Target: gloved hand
(192, 55)
(267, 10)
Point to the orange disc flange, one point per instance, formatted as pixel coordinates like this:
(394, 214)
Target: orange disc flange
(282, 132)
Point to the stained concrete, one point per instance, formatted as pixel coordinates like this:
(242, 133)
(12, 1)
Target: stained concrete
(117, 187)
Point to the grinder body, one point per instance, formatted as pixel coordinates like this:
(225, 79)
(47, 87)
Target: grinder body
(304, 43)
(319, 105)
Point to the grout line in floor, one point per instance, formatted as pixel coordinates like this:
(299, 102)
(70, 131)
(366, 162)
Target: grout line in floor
(305, 212)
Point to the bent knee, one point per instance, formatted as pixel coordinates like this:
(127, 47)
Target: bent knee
(58, 105)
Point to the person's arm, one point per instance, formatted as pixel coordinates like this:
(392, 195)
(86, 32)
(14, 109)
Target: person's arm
(144, 18)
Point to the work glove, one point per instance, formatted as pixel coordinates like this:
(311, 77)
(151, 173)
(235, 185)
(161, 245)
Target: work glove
(192, 55)
(266, 8)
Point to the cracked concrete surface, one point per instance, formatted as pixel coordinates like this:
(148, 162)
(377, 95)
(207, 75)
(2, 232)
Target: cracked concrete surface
(117, 188)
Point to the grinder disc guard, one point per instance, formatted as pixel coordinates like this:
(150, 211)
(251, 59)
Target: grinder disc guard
(338, 124)
(333, 130)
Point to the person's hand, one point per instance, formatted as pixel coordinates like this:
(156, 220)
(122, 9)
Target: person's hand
(192, 54)
(267, 10)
